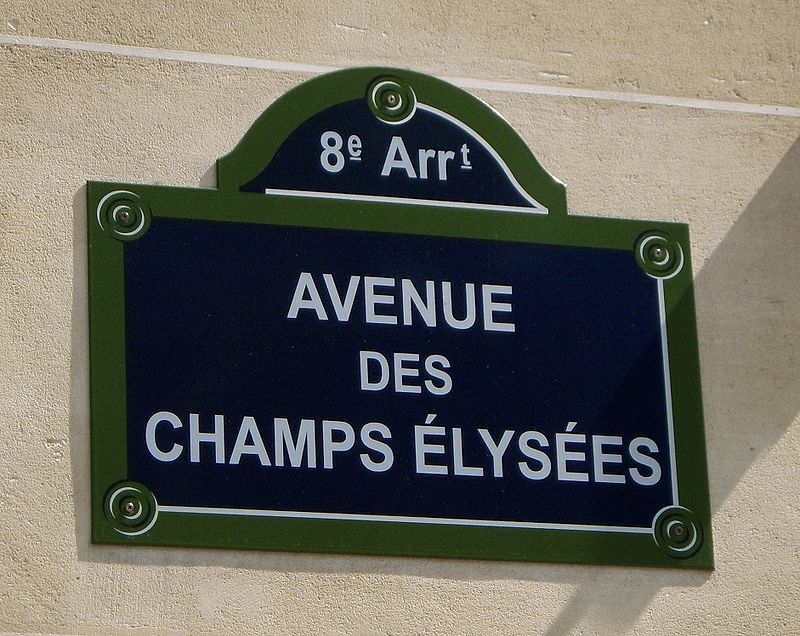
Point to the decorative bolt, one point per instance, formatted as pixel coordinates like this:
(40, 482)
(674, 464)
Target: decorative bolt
(680, 531)
(391, 99)
(130, 507)
(658, 253)
(125, 217)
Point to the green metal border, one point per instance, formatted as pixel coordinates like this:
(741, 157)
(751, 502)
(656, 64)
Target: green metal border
(110, 521)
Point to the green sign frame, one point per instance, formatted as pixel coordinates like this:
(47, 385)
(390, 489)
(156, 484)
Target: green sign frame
(127, 513)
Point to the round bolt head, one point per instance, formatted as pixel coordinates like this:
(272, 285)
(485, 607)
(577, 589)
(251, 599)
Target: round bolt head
(658, 253)
(391, 99)
(130, 507)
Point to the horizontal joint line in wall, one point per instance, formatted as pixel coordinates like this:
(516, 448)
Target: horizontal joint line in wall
(216, 59)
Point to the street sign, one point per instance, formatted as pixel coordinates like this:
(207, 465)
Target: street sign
(383, 334)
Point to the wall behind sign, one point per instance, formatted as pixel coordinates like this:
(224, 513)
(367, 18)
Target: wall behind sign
(87, 107)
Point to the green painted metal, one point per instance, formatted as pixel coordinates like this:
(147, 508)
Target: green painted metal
(124, 513)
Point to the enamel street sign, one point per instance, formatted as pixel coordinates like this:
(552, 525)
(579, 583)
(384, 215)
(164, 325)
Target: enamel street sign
(383, 334)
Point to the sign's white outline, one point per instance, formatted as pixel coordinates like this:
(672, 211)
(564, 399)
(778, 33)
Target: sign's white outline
(371, 198)
(673, 467)
(447, 117)
(444, 521)
(492, 523)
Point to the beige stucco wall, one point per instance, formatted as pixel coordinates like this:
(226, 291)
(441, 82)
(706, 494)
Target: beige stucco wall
(69, 115)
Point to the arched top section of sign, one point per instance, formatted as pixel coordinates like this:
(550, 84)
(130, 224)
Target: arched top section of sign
(377, 134)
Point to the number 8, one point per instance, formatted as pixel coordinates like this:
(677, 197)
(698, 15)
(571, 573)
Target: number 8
(331, 157)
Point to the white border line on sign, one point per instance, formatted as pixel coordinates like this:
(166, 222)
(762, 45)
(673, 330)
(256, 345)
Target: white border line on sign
(369, 198)
(293, 514)
(512, 180)
(236, 61)
(673, 468)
